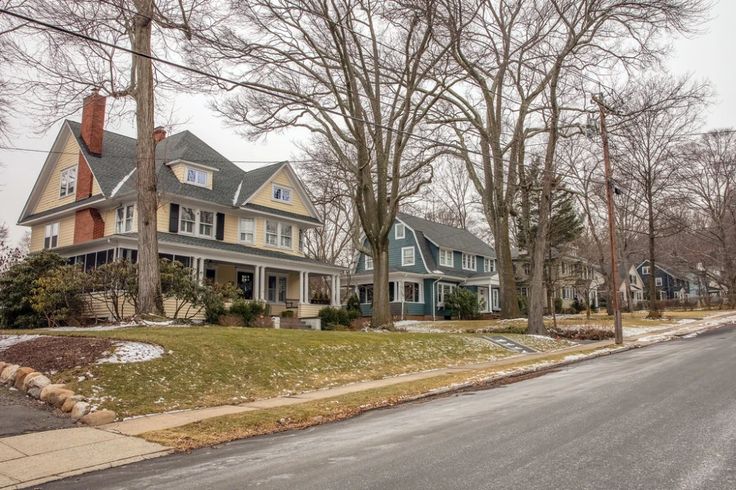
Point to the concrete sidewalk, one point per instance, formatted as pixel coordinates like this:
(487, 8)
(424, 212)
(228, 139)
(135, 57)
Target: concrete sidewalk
(139, 425)
(33, 459)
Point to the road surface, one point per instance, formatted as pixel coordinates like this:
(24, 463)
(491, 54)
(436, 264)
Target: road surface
(663, 417)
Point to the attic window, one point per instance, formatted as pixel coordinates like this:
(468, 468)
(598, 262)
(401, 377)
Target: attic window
(197, 177)
(68, 181)
(281, 193)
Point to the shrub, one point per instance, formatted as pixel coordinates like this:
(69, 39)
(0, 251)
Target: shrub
(463, 303)
(334, 317)
(558, 305)
(582, 332)
(16, 289)
(117, 283)
(353, 304)
(248, 311)
(578, 305)
(214, 297)
(59, 295)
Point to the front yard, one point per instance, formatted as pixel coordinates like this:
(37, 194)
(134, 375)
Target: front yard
(208, 366)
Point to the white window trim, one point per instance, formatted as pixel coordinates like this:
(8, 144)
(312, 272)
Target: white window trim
(207, 174)
(279, 235)
(397, 227)
(195, 228)
(645, 270)
(275, 186)
(488, 265)
(241, 231)
(405, 263)
(67, 191)
(420, 292)
(120, 226)
(495, 300)
(452, 257)
(658, 281)
(472, 258)
(367, 259)
(50, 231)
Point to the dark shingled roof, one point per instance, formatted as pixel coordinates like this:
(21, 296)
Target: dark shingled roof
(448, 236)
(118, 160)
(228, 247)
(75, 204)
(279, 212)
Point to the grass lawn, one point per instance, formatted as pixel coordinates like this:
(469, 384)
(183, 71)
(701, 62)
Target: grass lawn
(231, 427)
(210, 366)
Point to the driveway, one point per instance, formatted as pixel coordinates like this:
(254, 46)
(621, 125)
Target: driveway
(22, 414)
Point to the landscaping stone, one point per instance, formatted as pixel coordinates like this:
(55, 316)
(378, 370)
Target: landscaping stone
(70, 402)
(2, 366)
(20, 376)
(59, 396)
(27, 380)
(79, 410)
(8, 374)
(34, 392)
(46, 391)
(100, 417)
(39, 382)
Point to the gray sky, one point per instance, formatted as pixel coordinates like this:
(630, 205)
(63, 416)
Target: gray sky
(707, 56)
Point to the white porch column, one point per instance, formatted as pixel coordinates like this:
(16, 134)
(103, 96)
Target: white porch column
(301, 287)
(257, 282)
(337, 290)
(305, 287)
(263, 283)
(333, 300)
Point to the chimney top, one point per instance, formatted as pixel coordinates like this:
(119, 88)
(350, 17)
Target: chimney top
(93, 121)
(159, 134)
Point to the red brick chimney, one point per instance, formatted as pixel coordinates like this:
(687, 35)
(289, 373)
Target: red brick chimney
(159, 134)
(93, 122)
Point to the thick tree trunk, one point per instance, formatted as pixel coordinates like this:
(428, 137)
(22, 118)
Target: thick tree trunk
(506, 277)
(381, 306)
(150, 300)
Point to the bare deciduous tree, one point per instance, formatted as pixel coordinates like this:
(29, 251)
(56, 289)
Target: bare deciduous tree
(357, 74)
(91, 55)
(649, 145)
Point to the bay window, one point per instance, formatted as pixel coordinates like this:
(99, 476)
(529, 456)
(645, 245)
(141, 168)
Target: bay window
(412, 292)
(443, 291)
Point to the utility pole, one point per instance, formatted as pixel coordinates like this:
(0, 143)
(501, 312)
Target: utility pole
(618, 329)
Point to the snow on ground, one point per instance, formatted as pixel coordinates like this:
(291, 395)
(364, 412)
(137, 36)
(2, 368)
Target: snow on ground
(98, 328)
(8, 340)
(632, 331)
(127, 352)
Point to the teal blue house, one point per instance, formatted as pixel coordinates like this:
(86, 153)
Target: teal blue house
(427, 261)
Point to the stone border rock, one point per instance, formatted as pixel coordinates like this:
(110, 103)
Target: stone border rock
(36, 385)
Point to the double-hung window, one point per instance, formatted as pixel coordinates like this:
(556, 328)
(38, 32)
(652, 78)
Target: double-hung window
(645, 270)
(281, 193)
(51, 236)
(657, 281)
(469, 262)
(187, 220)
(206, 223)
(124, 218)
(407, 256)
(197, 177)
(368, 263)
(399, 231)
(68, 181)
(412, 292)
(278, 234)
(365, 294)
(196, 222)
(489, 265)
(247, 230)
(446, 258)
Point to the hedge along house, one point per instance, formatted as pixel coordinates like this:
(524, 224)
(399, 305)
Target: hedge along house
(226, 224)
(427, 261)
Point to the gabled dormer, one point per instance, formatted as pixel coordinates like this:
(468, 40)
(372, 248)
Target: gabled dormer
(192, 173)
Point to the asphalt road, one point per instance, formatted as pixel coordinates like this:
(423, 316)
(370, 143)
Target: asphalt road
(663, 417)
(20, 414)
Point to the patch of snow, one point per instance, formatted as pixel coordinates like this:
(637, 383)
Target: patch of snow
(127, 352)
(98, 328)
(690, 335)
(9, 340)
(683, 321)
(633, 331)
(237, 193)
(121, 183)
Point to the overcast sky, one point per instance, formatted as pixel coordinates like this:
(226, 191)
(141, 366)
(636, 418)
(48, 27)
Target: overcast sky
(708, 56)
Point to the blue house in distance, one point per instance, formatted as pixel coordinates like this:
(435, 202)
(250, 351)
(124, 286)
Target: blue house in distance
(669, 283)
(427, 261)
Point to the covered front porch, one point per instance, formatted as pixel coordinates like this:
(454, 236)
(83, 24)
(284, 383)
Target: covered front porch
(304, 292)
